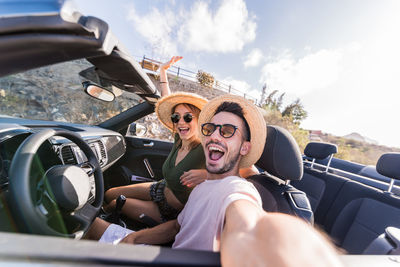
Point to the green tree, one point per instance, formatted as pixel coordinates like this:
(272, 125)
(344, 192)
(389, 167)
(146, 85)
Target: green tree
(270, 100)
(295, 111)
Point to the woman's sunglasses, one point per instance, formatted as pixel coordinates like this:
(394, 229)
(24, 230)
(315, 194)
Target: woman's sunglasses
(176, 117)
(225, 130)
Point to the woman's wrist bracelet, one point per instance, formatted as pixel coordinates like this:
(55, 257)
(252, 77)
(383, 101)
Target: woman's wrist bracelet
(163, 82)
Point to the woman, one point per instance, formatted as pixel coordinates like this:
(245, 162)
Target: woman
(184, 167)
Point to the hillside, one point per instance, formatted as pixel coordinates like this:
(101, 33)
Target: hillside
(360, 138)
(363, 152)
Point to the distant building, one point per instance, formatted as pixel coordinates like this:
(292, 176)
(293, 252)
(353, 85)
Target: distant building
(315, 135)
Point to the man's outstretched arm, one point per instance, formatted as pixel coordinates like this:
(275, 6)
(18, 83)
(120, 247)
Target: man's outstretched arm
(252, 237)
(160, 234)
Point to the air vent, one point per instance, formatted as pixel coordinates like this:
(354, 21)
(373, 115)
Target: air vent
(67, 155)
(102, 150)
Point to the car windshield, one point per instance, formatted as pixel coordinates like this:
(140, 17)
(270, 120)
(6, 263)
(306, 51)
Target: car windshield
(55, 93)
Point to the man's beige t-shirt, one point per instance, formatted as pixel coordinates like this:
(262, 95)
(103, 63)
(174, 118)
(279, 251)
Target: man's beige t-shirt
(203, 217)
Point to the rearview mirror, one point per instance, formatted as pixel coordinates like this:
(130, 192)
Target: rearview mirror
(98, 92)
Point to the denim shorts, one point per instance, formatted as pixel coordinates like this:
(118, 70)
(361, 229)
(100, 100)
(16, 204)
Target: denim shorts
(157, 195)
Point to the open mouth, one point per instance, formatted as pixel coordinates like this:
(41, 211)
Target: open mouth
(183, 130)
(215, 153)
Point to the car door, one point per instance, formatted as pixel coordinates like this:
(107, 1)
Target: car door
(142, 162)
(144, 157)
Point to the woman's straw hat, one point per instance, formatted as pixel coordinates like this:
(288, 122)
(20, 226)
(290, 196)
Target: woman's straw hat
(165, 105)
(254, 118)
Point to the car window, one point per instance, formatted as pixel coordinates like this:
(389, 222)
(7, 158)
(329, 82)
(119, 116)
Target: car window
(55, 93)
(153, 129)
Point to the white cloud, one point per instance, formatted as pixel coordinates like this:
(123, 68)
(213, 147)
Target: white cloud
(157, 28)
(227, 29)
(352, 88)
(314, 71)
(253, 59)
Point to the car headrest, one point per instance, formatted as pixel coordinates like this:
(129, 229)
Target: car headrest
(281, 156)
(389, 165)
(319, 150)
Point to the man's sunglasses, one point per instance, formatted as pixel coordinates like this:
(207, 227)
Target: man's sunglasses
(176, 117)
(225, 130)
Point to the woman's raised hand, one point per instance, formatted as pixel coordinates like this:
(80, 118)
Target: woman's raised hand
(169, 63)
(163, 75)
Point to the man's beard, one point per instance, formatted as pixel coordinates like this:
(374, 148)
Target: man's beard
(227, 167)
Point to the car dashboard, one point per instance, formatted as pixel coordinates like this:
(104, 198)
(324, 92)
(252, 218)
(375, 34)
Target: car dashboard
(108, 146)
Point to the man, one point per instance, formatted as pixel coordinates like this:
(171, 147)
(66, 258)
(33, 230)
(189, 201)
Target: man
(224, 213)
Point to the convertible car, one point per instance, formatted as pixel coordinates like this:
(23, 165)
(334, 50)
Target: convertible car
(75, 119)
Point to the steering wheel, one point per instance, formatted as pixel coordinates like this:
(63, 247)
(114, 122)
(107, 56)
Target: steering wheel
(60, 195)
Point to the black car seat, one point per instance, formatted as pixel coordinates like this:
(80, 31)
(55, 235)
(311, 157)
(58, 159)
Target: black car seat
(320, 185)
(361, 213)
(281, 162)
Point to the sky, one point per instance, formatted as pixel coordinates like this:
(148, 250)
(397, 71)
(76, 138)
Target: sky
(341, 58)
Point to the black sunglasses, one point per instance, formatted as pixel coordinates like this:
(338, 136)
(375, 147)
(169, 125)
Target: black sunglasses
(225, 130)
(176, 117)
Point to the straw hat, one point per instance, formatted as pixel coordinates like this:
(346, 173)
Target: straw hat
(254, 118)
(165, 105)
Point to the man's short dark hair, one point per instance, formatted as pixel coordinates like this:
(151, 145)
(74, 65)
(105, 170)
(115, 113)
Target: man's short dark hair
(236, 109)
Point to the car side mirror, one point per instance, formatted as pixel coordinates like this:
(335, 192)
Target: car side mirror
(137, 129)
(98, 92)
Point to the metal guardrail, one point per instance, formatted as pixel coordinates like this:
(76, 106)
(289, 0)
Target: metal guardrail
(153, 65)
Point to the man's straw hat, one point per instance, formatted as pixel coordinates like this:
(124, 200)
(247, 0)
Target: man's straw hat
(165, 105)
(254, 118)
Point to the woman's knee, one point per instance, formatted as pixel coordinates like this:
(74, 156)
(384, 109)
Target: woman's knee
(109, 195)
(138, 191)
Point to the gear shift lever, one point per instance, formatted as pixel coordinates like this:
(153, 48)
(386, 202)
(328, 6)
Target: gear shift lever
(114, 217)
(120, 203)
